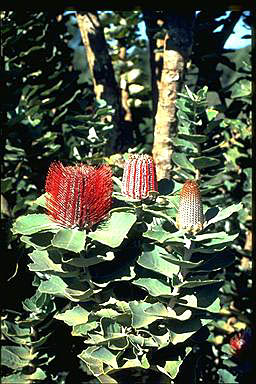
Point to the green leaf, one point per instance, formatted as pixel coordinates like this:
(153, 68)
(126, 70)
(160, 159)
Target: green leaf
(43, 263)
(225, 213)
(171, 368)
(84, 329)
(198, 283)
(151, 259)
(211, 113)
(70, 239)
(161, 236)
(113, 231)
(54, 286)
(99, 353)
(75, 316)
(58, 287)
(205, 162)
(182, 263)
(20, 378)
(139, 317)
(226, 377)
(241, 88)
(213, 242)
(154, 287)
(16, 357)
(29, 224)
(193, 138)
(217, 261)
(88, 261)
(39, 241)
(41, 201)
(182, 161)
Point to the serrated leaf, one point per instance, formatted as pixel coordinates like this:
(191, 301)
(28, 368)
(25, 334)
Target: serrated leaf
(39, 241)
(226, 377)
(139, 317)
(171, 368)
(205, 162)
(225, 213)
(21, 378)
(32, 223)
(84, 329)
(198, 283)
(41, 201)
(154, 287)
(54, 286)
(182, 263)
(211, 239)
(162, 236)
(42, 262)
(70, 239)
(75, 316)
(182, 161)
(152, 259)
(113, 232)
(193, 138)
(101, 354)
(16, 357)
(219, 260)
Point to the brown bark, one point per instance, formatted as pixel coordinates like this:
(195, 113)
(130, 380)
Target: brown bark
(100, 65)
(165, 120)
(177, 48)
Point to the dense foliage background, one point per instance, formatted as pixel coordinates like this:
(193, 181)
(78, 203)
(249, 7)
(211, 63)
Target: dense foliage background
(49, 112)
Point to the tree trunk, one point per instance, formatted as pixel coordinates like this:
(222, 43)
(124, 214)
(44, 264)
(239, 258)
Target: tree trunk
(177, 48)
(100, 65)
(124, 87)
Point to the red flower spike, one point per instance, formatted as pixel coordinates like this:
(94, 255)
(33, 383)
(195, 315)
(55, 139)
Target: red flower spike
(78, 196)
(139, 177)
(237, 343)
(190, 216)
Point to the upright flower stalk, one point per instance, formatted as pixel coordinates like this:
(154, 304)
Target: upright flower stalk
(190, 217)
(78, 196)
(139, 177)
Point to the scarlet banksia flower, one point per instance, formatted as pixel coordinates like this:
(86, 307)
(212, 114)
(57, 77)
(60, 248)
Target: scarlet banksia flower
(139, 177)
(241, 342)
(78, 196)
(190, 216)
(237, 343)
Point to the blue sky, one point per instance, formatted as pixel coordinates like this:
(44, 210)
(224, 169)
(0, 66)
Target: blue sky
(235, 40)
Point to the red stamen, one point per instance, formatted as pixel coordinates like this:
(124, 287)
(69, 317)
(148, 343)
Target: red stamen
(78, 196)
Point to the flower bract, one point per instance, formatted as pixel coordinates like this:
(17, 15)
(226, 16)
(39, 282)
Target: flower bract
(139, 177)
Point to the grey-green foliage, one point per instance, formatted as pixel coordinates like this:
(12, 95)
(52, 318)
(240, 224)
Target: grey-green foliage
(198, 143)
(131, 291)
(47, 114)
(24, 341)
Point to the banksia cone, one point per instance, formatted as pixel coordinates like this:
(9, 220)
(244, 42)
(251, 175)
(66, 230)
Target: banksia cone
(78, 196)
(190, 216)
(139, 177)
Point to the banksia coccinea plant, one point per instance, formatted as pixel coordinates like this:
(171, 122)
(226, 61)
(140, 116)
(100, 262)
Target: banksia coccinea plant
(190, 216)
(78, 196)
(139, 177)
